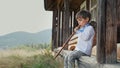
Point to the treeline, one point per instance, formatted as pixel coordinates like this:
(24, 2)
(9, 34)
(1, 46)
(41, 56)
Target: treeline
(33, 46)
(38, 46)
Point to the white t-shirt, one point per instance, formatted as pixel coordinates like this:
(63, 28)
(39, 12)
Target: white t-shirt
(85, 39)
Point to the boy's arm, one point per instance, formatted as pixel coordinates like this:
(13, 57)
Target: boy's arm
(87, 33)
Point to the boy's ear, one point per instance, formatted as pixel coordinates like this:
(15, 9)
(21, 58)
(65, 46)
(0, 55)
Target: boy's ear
(87, 19)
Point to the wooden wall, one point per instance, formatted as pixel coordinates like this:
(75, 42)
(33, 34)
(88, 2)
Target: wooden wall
(107, 31)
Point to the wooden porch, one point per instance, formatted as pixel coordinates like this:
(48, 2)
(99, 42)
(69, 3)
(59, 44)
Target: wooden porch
(108, 24)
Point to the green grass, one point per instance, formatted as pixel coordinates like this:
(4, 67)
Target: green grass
(45, 60)
(29, 57)
(36, 61)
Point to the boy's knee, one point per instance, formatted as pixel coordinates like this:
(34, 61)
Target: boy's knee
(71, 58)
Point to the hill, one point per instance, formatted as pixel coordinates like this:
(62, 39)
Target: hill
(20, 38)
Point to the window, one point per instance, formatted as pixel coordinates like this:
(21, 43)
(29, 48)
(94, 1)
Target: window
(83, 6)
(93, 9)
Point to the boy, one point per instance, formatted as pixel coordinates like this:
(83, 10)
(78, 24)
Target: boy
(85, 38)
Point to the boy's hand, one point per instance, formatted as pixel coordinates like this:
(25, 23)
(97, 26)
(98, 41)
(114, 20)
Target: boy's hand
(82, 24)
(76, 28)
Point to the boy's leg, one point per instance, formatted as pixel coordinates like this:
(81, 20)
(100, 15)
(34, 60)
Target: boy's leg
(66, 61)
(80, 63)
(71, 60)
(72, 57)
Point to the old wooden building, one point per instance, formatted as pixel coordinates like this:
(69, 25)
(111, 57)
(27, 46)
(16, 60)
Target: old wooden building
(105, 12)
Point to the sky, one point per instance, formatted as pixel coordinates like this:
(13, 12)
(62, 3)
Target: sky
(24, 15)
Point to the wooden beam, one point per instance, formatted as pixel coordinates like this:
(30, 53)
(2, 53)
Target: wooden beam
(66, 20)
(75, 4)
(118, 34)
(88, 4)
(101, 26)
(75, 21)
(70, 23)
(54, 32)
(50, 5)
(61, 28)
(111, 31)
(107, 32)
(118, 21)
(118, 12)
(58, 28)
(60, 4)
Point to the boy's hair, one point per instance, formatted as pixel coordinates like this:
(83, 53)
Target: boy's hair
(94, 24)
(83, 14)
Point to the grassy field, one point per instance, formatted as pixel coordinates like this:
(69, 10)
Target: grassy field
(27, 57)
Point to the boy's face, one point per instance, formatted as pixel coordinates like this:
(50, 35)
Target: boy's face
(82, 21)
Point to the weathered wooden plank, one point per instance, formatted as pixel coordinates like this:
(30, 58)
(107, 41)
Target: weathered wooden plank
(101, 37)
(118, 21)
(75, 4)
(88, 4)
(61, 29)
(107, 32)
(70, 23)
(58, 28)
(118, 34)
(111, 32)
(54, 23)
(50, 5)
(75, 21)
(66, 20)
(118, 12)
